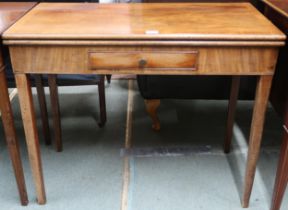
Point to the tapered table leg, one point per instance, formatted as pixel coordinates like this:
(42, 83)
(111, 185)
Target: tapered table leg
(260, 105)
(231, 112)
(55, 112)
(28, 117)
(43, 108)
(11, 139)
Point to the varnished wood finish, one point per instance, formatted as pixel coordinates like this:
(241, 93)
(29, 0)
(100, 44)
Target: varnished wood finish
(144, 21)
(55, 112)
(9, 13)
(231, 112)
(261, 99)
(210, 61)
(43, 108)
(151, 107)
(12, 11)
(280, 6)
(10, 136)
(174, 43)
(231, 39)
(28, 116)
(144, 60)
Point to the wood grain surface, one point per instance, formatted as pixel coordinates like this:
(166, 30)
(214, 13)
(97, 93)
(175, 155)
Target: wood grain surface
(210, 60)
(192, 21)
(280, 6)
(12, 11)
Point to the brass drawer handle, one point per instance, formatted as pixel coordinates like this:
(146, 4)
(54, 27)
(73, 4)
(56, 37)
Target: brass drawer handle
(142, 63)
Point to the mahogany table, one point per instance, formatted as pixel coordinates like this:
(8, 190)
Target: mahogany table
(163, 39)
(277, 11)
(9, 13)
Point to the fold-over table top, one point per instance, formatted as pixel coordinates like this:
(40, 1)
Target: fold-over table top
(171, 21)
(11, 11)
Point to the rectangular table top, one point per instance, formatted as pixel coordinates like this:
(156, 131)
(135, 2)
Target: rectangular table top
(173, 21)
(279, 5)
(11, 11)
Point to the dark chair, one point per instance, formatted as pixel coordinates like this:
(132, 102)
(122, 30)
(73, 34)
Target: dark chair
(154, 88)
(53, 81)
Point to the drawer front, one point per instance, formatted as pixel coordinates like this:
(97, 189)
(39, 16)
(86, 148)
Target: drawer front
(143, 60)
(164, 60)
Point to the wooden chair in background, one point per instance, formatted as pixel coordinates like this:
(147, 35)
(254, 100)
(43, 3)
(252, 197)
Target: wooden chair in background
(53, 82)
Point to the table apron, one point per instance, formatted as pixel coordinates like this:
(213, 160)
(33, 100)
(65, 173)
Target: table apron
(162, 60)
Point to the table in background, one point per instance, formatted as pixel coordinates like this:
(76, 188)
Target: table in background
(277, 11)
(9, 13)
(163, 39)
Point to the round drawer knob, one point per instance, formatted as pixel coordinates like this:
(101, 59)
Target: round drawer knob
(142, 62)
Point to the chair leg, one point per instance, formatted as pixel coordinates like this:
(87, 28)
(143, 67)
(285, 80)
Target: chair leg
(151, 107)
(55, 111)
(108, 76)
(102, 102)
(231, 112)
(282, 175)
(43, 108)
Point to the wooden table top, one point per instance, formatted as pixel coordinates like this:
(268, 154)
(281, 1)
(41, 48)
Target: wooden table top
(279, 5)
(173, 21)
(11, 11)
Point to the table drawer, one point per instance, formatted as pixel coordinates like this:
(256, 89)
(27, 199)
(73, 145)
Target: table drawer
(145, 60)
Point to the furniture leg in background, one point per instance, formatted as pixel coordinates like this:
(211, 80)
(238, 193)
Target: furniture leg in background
(282, 171)
(54, 82)
(102, 100)
(151, 108)
(43, 108)
(55, 112)
(108, 77)
(231, 112)
(11, 139)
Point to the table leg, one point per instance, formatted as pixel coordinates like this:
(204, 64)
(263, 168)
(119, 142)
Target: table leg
(28, 117)
(260, 105)
(43, 108)
(282, 174)
(55, 111)
(231, 112)
(11, 139)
